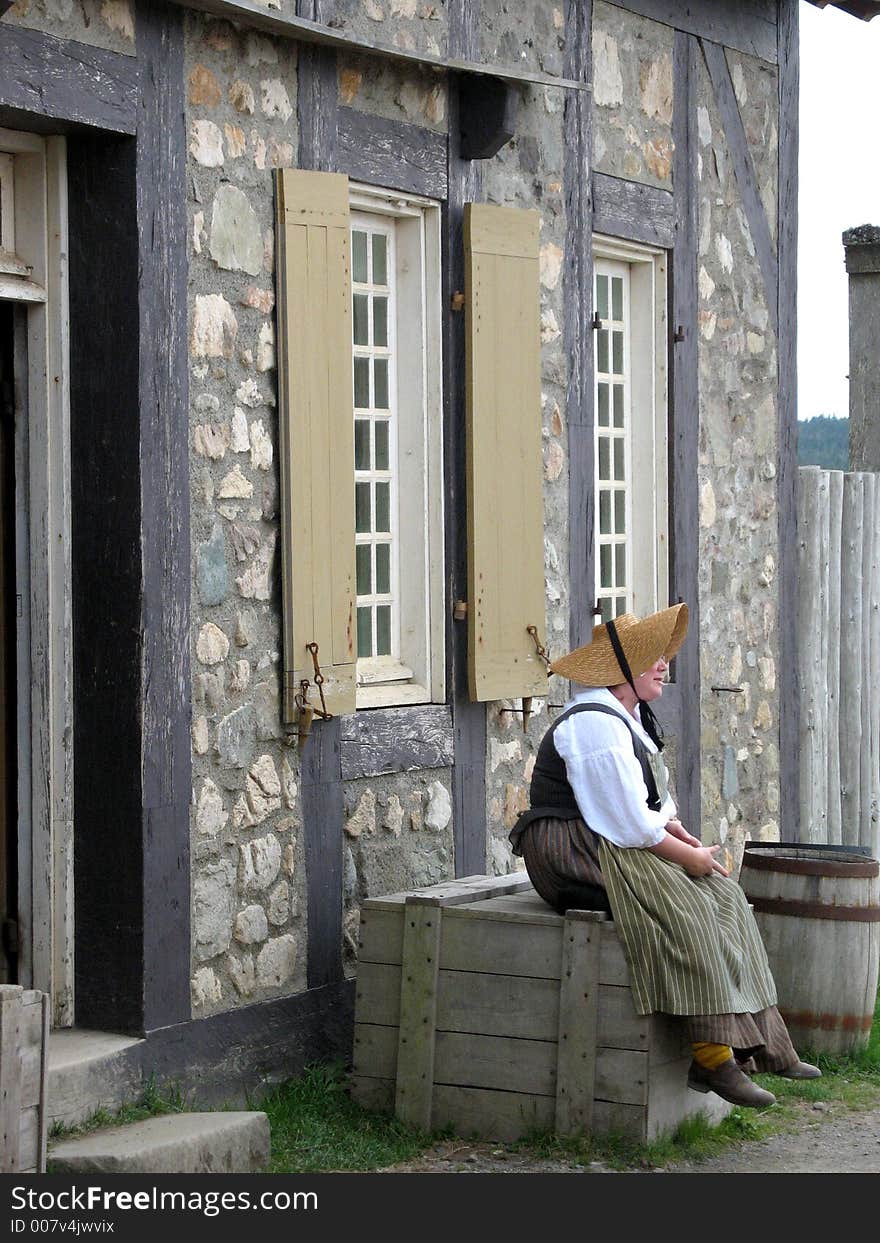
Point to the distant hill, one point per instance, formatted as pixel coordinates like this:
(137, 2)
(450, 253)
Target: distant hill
(823, 441)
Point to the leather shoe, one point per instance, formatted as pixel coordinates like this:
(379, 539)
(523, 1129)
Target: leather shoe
(801, 1070)
(729, 1082)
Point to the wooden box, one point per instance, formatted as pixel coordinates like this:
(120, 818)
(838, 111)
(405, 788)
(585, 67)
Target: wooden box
(24, 1044)
(478, 1007)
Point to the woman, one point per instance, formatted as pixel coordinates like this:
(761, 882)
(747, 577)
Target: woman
(602, 834)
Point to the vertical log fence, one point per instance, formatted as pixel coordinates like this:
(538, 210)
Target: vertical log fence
(839, 658)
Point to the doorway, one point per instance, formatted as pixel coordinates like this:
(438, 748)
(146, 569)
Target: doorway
(8, 696)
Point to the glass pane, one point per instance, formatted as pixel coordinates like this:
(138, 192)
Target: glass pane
(617, 350)
(606, 609)
(620, 606)
(380, 264)
(362, 383)
(605, 513)
(618, 405)
(359, 257)
(380, 383)
(360, 331)
(361, 444)
(617, 297)
(365, 632)
(362, 507)
(364, 571)
(383, 630)
(604, 459)
(620, 565)
(383, 569)
(602, 350)
(602, 296)
(603, 405)
(383, 506)
(382, 445)
(380, 321)
(620, 513)
(605, 565)
(618, 461)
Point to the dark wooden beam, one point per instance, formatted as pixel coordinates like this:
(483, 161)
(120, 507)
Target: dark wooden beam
(487, 110)
(578, 302)
(748, 25)
(786, 468)
(397, 740)
(62, 81)
(166, 747)
(390, 153)
(684, 391)
(744, 170)
(632, 210)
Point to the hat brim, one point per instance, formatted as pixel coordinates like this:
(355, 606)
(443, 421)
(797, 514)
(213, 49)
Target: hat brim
(644, 642)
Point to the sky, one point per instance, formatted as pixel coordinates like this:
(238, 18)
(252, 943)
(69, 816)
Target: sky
(839, 189)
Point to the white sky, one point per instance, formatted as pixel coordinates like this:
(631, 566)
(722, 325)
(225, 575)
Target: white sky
(839, 188)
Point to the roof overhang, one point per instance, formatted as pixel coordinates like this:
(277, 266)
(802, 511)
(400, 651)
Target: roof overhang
(865, 9)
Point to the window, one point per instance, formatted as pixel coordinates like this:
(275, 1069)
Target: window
(395, 259)
(631, 479)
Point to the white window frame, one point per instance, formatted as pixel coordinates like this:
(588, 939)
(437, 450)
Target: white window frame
(416, 672)
(646, 424)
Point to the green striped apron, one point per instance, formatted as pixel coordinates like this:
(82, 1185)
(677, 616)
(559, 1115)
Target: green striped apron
(691, 943)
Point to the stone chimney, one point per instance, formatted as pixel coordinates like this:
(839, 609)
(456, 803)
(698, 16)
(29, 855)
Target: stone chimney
(862, 247)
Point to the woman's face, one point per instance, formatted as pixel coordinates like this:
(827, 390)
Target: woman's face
(649, 685)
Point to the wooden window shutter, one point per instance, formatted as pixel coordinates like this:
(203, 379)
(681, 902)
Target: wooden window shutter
(505, 477)
(316, 432)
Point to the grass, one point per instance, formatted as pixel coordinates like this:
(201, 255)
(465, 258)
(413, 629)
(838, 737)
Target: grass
(152, 1102)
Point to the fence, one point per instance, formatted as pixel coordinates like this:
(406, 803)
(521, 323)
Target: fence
(839, 658)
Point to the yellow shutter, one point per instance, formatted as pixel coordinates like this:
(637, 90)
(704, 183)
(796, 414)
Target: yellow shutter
(316, 429)
(505, 491)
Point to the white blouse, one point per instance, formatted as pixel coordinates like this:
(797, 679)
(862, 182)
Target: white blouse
(605, 775)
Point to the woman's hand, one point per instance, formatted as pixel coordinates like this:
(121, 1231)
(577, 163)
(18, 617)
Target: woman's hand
(676, 829)
(680, 847)
(701, 861)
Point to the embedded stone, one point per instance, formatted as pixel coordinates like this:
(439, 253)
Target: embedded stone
(241, 96)
(245, 540)
(243, 974)
(274, 100)
(118, 16)
(203, 87)
(212, 576)
(263, 788)
(235, 738)
(210, 689)
(240, 437)
(763, 718)
(276, 962)
(214, 327)
(213, 908)
(212, 645)
(254, 583)
(241, 677)
(205, 987)
(556, 420)
(704, 126)
(503, 753)
(767, 670)
(707, 285)
(363, 818)
(655, 88)
(198, 231)
(206, 144)
(245, 628)
(769, 832)
(374, 10)
(439, 810)
(261, 446)
(279, 154)
(288, 783)
(724, 251)
(658, 157)
(200, 737)
(392, 816)
(267, 711)
(288, 859)
(755, 342)
(236, 142)
(260, 862)
(554, 460)
(210, 440)
(266, 348)
(241, 814)
(236, 239)
(259, 149)
(349, 84)
(349, 878)
(730, 778)
(278, 908)
(549, 327)
(550, 264)
(251, 926)
(258, 50)
(211, 815)
(707, 505)
(248, 393)
(259, 299)
(234, 485)
(516, 801)
(607, 78)
(416, 812)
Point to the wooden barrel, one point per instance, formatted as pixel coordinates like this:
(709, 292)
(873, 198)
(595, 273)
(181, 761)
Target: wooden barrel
(818, 909)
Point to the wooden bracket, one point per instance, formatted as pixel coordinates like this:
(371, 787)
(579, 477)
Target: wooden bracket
(487, 107)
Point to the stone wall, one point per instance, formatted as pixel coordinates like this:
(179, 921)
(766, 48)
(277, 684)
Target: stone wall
(101, 23)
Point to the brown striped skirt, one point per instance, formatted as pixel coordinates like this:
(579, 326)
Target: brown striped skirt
(562, 858)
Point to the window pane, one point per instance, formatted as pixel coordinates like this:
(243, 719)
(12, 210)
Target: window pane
(362, 383)
(364, 571)
(605, 565)
(602, 296)
(606, 606)
(380, 383)
(620, 606)
(618, 405)
(380, 265)
(619, 473)
(383, 506)
(603, 405)
(383, 569)
(361, 444)
(617, 350)
(620, 565)
(359, 257)
(620, 513)
(604, 513)
(362, 507)
(602, 350)
(604, 459)
(383, 630)
(365, 632)
(360, 330)
(381, 445)
(617, 297)
(380, 321)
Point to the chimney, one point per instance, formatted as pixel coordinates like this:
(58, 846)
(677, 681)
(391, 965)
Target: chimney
(862, 247)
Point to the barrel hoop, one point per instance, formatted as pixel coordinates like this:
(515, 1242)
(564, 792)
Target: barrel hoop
(816, 910)
(811, 867)
(828, 1022)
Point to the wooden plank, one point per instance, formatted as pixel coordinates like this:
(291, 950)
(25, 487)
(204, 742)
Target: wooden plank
(578, 1025)
(43, 1110)
(619, 1027)
(375, 1051)
(377, 993)
(397, 740)
(502, 1116)
(418, 1014)
(464, 889)
(832, 782)
(68, 81)
(498, 1005)
(869, 760)
(381, 937)
(467, 1059)
(813, 519)
(525, 904)
(375, 1094)
(390, 153)
(613, 1117)
(851, 657)
(633, 210)
(871, 839)
(495, 909)
(613, 967)
(622, 1076)
(10, 1079)
(499, 948)
(749, 25)
(323, 816)
(29, 1140)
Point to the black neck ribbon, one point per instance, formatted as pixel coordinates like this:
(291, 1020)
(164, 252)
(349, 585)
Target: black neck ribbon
(653, 728)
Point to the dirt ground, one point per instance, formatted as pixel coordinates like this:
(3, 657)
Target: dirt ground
(826, 1139)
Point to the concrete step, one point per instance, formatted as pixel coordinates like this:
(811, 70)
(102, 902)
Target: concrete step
(91, 1070)
(187, 1143)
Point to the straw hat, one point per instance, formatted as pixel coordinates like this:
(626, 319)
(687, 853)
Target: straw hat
(643, 643)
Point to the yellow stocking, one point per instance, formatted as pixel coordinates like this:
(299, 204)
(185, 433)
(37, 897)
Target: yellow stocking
(711, 1056)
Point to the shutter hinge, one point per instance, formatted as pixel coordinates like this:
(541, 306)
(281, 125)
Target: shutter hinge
(456, 302)
(459, 610)
(679, 335)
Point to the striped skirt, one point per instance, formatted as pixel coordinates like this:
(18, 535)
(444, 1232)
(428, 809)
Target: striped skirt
(692, 944)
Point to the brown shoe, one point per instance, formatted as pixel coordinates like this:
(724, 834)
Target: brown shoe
(801, 1070)
(729, 1082)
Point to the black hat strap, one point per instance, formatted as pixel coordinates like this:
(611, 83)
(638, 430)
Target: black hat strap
(653, 728)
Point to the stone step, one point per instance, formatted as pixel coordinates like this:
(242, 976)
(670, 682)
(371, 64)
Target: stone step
(90, 1070)
(186, 1143)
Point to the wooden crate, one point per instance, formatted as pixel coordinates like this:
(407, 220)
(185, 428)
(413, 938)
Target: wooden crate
(24, 1045)
(478, 1007)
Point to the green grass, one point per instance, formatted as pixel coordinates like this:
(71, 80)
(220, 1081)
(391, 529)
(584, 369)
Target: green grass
(152, 1102)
